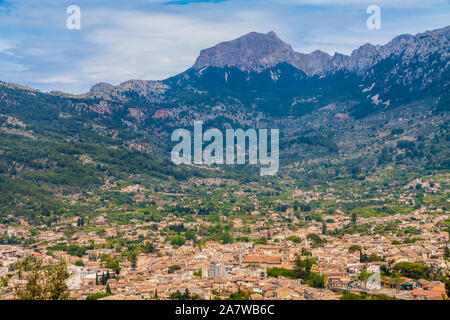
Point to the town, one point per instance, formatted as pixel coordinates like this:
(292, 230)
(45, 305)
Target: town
(284, 245)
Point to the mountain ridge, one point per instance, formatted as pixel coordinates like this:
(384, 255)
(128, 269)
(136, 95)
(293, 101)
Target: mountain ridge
(272, 50)
(263, 75)
(397, 64)
(342, 125)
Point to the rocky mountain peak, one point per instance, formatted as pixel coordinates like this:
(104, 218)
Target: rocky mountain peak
(252, 52)
(149, 89)
(101, 87)
(404, 61)
(258, 51)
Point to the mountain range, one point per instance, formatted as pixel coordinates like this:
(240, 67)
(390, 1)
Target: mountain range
(257, 51)
(339, 117)
(406, 67)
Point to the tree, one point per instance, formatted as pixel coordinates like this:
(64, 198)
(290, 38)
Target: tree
(133, 259)
(303, 266)
(3, 285)
(303, 269)
(305, 207)
(197, 273)
(316, 240)
(354, 248)
(397, 281)
(364, 276)
(98, 295)
(178, 241)
(413, 270)
(227, 237)
(353, 217)
(306, 252)
(240, 295)
(190, 235)
(446, 251)
(384, 270)
(324, 228)
(350, 296)
(149, 248)
(447, 287)
(173, 268)
(79, 263)
(112, 264)
(276, 272)
(316, 280)
(183, 296)
(42, 282)
(363, 257)
(373, 258)
(390, 264)
(80, 222)
(294, 239)
(103, 279)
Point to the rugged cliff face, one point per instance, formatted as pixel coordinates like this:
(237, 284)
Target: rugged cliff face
(257, 51)
(252, 52)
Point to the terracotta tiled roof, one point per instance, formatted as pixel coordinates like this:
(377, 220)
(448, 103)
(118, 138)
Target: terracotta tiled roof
(262, 259)
(417, 292)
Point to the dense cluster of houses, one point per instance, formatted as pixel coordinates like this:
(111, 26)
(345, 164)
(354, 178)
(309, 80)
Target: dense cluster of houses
(215, 270)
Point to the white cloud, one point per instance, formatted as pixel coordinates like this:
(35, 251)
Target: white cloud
(7, 66)
(407, 4)
(118, 42)
(158, 45)
(7, 45)
(58, 79)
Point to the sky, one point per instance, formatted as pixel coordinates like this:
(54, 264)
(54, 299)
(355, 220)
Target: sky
(155, 39)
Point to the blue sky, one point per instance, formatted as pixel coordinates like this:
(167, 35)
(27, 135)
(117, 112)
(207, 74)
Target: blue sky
(155, 39)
